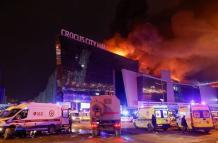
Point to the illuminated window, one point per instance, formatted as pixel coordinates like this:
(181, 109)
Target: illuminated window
(175, 88)
(165, 114)
(196, 114)
(206, 114)
(158, 114)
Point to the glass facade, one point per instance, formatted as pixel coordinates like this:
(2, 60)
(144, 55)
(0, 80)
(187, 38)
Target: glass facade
(154, 90)
(186, 93)
(151, 89)
(84, 70)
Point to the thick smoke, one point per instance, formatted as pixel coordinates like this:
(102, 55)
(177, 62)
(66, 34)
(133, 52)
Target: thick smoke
(191, 49)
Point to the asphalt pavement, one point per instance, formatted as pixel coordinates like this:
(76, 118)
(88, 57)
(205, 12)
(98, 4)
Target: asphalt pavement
(81, 134)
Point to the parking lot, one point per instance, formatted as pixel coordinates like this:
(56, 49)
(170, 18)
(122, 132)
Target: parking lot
(81, 133)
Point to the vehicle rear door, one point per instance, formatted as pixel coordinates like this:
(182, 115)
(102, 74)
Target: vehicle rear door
(65, 117)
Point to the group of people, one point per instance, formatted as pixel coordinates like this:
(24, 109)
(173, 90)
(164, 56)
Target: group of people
(183, 123)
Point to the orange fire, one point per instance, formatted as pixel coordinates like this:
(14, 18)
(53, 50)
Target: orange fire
(119, 46)
(120, 52)
(191, 49)
(148, 64)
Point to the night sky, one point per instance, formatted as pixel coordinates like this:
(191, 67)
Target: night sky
(29, 29)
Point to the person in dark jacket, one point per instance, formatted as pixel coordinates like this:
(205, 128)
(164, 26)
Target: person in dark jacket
(154, 122)
(184, 124)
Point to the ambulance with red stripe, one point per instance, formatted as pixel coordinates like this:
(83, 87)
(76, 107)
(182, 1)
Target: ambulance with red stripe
(105, 114)
(27, 117)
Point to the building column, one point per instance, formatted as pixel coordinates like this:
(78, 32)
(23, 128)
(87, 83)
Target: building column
(166, 76)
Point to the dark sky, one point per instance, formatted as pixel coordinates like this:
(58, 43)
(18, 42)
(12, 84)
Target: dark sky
(29, 29)
(28, 32)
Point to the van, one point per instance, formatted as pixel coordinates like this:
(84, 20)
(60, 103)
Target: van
(28, 117)
(85, 116)
(198, 117)
(144, 117)
(75, 116)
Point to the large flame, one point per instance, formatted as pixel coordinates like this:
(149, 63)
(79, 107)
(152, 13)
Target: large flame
(193, 48)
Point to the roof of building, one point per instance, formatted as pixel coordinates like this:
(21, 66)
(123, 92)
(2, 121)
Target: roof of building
(212, 84)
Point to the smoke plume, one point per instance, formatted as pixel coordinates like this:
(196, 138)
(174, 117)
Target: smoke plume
(191, 49)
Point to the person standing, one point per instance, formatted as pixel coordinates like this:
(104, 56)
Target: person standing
(154, 122)
(184, 124)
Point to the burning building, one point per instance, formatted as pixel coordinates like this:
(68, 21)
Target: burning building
(86, 68)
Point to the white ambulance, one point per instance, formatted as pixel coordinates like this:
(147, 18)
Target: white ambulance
(198, 116)
(105, 114)
(32, 116)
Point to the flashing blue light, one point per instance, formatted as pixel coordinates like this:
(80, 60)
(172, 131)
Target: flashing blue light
(77, 101)
(58, 103)
(203, 103)
(125, 112)
(192, 102)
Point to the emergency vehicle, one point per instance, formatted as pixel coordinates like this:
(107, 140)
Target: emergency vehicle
(197, 116)
(75, 116)
(105, 114)
(144, 117)
(28, 117)
(85, 116)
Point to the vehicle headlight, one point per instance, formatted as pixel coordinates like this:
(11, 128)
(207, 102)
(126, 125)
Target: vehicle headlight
(73, 118)
(1, 129)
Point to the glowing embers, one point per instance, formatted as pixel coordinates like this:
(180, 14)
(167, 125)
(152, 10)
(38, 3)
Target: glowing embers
(153, 89)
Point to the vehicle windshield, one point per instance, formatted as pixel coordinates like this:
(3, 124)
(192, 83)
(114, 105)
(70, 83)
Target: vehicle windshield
(75, 114)
(9, 113)
(161, 113)
(201, 114)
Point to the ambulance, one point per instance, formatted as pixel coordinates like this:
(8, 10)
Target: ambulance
(198, 116)
(28, 117)
(85, 116)
(144, 117)
(75, 116)
(105, 114)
